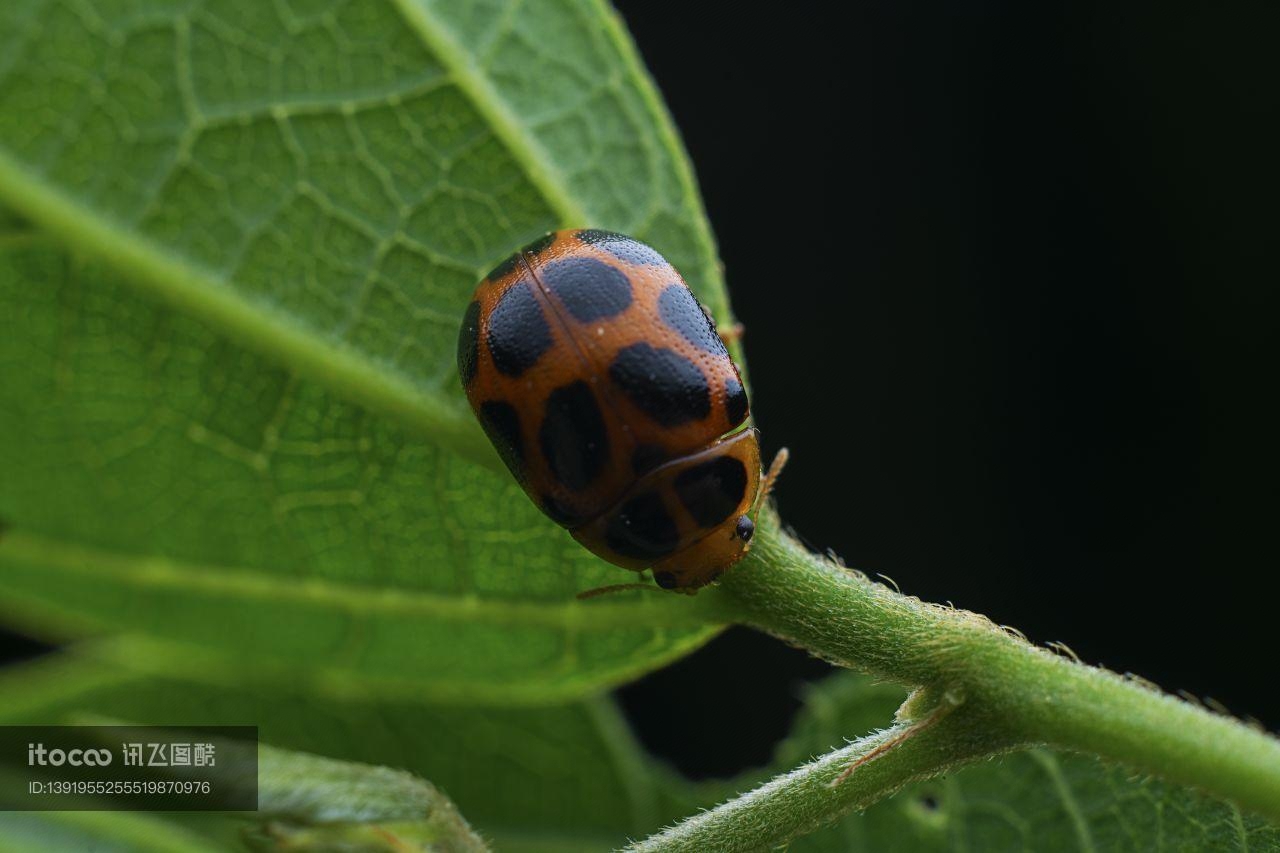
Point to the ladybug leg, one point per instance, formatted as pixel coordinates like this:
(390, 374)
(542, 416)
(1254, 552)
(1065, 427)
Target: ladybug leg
(775, 468)
(616, 587)
(729, 335)
(732, 333)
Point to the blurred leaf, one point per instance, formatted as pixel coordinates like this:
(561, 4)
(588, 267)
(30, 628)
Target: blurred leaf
(319, 804)
(305, 802)
(100, 832)
(381, 837)
(573, 777)
(558, 778)
(230, 417)
(1036, 800)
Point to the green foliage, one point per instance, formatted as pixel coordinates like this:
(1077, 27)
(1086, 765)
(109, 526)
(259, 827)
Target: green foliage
(572, 777)
(236, 238)
(568, 776)
(316, 803)
(311, 195)
(305, 803)
(1037, 800)
(102, 832)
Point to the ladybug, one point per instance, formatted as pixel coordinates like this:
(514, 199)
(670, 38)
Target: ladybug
(609, 394)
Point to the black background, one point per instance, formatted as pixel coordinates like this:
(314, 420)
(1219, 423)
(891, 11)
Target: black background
(1008, 281)
(1007, 272)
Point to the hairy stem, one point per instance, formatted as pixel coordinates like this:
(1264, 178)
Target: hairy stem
(1013, 694)
(808, 798)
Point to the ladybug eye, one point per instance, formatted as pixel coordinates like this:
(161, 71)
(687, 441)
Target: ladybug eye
(746, 527)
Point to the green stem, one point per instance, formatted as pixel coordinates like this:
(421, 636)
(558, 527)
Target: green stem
(804, 800)
(1014, 694)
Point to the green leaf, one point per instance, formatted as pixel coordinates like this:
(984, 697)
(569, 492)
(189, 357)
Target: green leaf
(318, 803)
(101, 832)
(573, 778)
(230, 418)
(162, 480)
(308, 802)
(558, 778)
(328, 183)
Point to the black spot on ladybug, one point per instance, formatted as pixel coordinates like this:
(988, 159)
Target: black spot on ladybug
(735, 401)
(666, 580)
(712, 490)
(642, 529)
(590, 289)
(622, 247)
(537, 247)
(662, 383)
(646, 457)
(469, 344)
(561, 514)
(518, 333)
(679, 310)
(504, 269)
(745, 529)
(573, 436)
(501, 423)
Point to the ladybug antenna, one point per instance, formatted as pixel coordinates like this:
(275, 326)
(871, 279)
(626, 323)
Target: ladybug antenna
(771, 476)
(766, 487)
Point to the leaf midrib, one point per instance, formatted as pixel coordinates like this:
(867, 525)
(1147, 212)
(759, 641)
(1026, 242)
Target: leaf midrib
(202, 295)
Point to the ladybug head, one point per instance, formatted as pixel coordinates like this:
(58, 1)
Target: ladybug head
(717, 489)
(708, 558)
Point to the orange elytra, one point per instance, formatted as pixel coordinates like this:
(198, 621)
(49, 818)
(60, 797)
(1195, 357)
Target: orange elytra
(607, 391)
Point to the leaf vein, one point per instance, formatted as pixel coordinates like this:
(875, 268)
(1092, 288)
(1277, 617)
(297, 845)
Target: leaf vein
(199, 293)
(537, 164)
(1053, 769)
(159, 572)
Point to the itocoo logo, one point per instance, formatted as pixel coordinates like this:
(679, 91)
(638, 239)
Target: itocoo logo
(37, 754)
